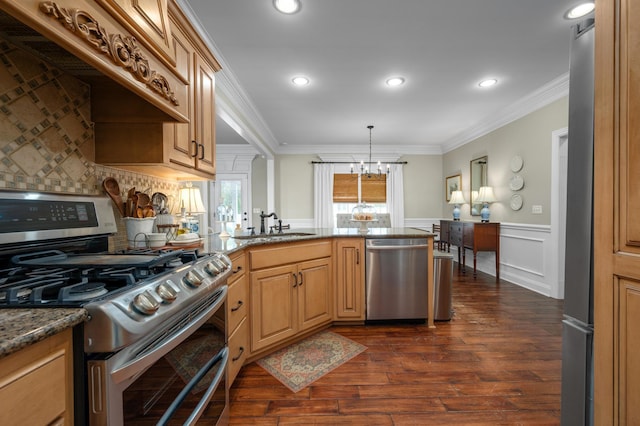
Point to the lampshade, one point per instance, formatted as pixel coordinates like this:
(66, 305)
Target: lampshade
(485, 195)
(456, 198)
(191, 200)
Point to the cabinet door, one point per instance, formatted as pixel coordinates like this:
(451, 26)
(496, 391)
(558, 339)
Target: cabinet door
(616, 204)
(149, 20)
(349, 283)
(455, 233)
(314, 293)
(205, 116)
(273, 304)
(178, 137)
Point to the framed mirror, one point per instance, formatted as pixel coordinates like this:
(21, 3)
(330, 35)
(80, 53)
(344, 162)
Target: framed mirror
(478, 178)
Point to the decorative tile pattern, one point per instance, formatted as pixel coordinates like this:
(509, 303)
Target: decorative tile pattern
(46, 135)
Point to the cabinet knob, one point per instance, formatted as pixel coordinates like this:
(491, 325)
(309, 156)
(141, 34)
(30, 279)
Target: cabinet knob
(195, 148)
(201, 152)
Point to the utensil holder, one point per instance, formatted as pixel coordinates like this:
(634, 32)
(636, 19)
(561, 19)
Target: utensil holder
(135, 226)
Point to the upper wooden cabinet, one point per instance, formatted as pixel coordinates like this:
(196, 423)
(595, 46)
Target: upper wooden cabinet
(141, 140)
(95, 38)
(148, 21)
(192, 145)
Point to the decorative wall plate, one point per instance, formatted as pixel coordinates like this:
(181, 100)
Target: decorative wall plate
(516, 164)
(516, 183)
(516, 202)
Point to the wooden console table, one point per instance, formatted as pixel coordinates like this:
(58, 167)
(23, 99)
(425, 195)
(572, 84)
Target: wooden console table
(476, 236)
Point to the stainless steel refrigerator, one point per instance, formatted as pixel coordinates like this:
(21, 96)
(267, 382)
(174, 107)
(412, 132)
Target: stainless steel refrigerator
(577, 331)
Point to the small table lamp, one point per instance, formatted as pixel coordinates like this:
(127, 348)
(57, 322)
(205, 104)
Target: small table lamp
(485, 196)
(456, 199)
(191, 204)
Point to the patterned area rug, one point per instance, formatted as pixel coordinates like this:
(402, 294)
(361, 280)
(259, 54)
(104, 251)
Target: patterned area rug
(302, 363)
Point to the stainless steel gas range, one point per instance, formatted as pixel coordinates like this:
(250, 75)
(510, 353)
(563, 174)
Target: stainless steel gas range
(154, 348)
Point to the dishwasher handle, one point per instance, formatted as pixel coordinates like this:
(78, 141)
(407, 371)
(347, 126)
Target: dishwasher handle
(402, 247)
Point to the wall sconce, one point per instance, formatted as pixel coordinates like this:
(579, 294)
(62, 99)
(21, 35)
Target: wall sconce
(456, 198)
(485, 196)
(190, 204)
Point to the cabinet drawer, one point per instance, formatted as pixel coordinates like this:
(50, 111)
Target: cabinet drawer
(237, 302)
(238, 349)
(239, 266)
(283, 254)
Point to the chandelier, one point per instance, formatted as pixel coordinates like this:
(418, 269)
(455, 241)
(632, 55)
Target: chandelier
(365, 168)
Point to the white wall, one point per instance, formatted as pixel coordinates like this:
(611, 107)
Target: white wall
(526, 238)
(528, 137)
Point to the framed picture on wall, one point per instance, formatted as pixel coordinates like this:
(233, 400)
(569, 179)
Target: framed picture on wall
(453, 183)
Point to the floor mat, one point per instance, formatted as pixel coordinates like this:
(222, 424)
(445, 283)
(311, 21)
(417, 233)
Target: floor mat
(302, 363)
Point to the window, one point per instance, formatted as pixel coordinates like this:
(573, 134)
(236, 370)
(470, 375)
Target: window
(346, 187)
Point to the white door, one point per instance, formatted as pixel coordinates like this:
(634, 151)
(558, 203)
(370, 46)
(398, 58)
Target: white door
(229, 202)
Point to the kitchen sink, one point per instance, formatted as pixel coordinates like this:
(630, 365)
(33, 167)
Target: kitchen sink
(272, 237)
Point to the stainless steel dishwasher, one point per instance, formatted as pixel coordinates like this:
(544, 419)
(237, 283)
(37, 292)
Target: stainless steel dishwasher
(396, 283)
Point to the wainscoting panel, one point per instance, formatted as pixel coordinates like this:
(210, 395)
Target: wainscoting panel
(526, 257)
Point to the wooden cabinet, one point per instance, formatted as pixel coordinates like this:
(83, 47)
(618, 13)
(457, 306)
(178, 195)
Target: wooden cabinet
(349, 280)
(237, 307)
(148, 21)
(616, 205)
(290, 286)
(36, 383)
(474, 236)
(145, 141)
(192, 145)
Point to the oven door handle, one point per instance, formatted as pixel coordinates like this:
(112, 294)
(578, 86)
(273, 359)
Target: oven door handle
(223, 357)
(139, 363)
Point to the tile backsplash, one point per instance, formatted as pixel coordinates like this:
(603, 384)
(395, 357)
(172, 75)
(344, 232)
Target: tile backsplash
(46, 134)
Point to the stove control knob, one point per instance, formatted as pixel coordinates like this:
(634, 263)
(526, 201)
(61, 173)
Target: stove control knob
(226, 264)
(166, 293)
(212, 269)
(192, 279)
(145, 303)
(221, 265)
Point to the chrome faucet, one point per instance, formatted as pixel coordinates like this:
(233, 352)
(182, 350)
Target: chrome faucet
(262, 218)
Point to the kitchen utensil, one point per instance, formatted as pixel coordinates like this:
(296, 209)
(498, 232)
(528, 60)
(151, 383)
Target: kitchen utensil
(147, 211)
(112, 188)
(159, 202)
(143, 200)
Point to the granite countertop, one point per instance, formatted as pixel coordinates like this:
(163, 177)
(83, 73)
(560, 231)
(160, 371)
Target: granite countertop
(23, 327)
(214, 243)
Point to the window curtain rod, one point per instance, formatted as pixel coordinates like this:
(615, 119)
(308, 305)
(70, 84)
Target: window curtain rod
(357, 162)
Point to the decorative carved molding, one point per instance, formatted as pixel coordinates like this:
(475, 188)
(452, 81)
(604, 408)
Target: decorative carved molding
(122, 49)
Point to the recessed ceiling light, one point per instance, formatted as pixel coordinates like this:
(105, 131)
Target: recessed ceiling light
(580, 10)
(287, 6)
(300, 81)
(488, 82)
(395, 81)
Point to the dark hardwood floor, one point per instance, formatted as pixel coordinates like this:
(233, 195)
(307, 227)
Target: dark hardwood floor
(497, 362)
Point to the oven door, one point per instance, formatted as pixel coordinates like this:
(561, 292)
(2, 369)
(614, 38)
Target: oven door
(175, 377)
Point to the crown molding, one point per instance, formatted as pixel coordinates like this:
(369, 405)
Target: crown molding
(233, 104)
(358, 151)
(550, 92)
(236, 108)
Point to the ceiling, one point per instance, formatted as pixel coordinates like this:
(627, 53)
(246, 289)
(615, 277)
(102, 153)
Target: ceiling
(348, 48)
